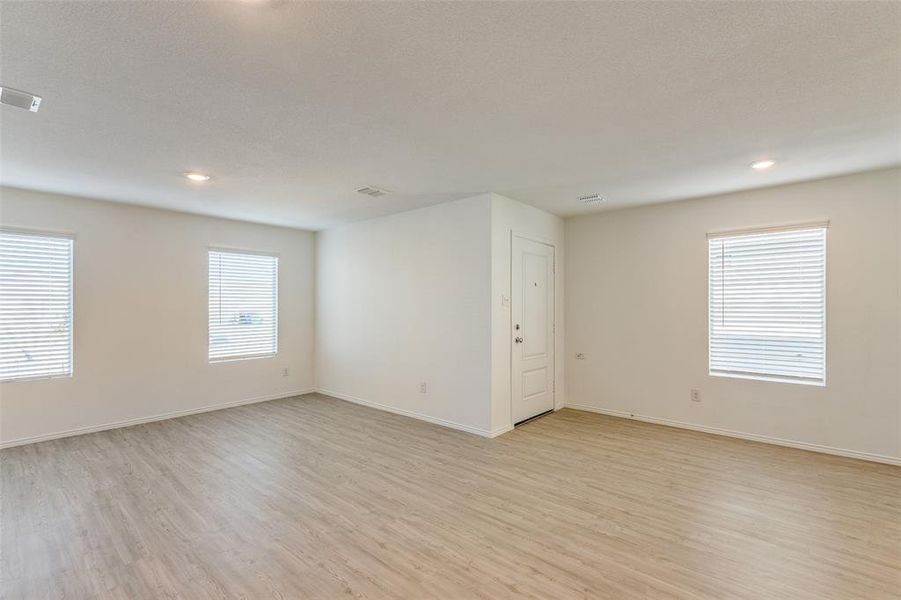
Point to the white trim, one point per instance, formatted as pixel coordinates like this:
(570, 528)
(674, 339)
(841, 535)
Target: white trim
(500, 431)
(65, 235)
(159, 417)
(771, 378)
(879, 458)
(212, 407)
(232, 250)
(533, 238)
(415, 415)
(33, 378)
(771, 229)
(237, 357)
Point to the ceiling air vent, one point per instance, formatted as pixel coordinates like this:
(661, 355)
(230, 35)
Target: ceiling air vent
(372, 191)
(592, 199)
(19, 99)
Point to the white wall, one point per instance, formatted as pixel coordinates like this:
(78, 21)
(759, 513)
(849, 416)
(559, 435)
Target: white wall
(140, 302)
(404, 299)
(636, 305)
(417, 297)
(508, 217)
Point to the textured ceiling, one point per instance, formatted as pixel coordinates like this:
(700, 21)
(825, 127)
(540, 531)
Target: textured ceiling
(292, 106)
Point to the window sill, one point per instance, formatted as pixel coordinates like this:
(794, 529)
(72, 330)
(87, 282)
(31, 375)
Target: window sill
(36, 378)
(770, 378)
(228, 359)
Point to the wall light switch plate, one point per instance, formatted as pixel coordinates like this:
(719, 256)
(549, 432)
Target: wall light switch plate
(505, 300)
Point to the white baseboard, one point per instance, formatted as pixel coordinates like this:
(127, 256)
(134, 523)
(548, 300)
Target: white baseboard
(416, 415)
(150, 419)
(500, 430)
(880, 458)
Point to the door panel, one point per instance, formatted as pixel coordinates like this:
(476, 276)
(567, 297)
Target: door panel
(534, 382)
(534, 298)
(532, 306)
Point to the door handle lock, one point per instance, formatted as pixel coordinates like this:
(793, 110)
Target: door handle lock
(518, 340)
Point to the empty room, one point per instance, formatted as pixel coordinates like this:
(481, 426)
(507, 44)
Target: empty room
(451, 300)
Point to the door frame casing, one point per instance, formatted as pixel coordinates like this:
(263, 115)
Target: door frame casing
(546, 242)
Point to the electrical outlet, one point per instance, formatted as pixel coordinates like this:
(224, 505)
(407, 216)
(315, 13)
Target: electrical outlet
(285, 372)
(423, 388)
(695, 395)
(580, 356)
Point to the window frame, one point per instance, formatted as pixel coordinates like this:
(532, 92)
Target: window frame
(243, 357)
(64, 235)
(773, 378)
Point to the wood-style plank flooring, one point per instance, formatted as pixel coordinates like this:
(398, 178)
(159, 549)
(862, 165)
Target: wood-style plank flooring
(313, 497)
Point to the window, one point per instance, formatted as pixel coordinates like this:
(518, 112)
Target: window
(768, 305)
(35, 305)
(243, 305)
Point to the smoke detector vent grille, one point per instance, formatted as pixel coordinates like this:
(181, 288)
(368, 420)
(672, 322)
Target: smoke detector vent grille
(592, 199)
(372, 191)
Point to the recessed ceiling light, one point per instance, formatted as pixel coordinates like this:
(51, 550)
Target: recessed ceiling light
(760, 165)
(198, 177)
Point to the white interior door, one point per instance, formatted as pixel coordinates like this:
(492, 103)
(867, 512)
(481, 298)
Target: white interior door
(532, 305)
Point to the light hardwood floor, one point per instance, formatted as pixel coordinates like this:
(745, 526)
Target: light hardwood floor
(316, 498)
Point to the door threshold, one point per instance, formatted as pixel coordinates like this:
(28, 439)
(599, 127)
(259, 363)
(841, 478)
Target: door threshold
(530, 419)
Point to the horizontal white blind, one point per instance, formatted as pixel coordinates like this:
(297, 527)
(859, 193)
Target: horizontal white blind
(243, 305)
(35, 306)
(768, 305)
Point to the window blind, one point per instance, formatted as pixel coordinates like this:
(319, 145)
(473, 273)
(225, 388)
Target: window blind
(35, 305)
(767, 294)
(243, 305)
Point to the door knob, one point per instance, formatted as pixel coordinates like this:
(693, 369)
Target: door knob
(518, 340)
